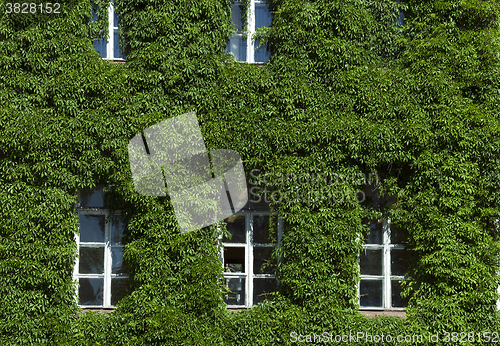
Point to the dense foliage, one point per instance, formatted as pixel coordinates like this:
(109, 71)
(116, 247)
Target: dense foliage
(346, 91)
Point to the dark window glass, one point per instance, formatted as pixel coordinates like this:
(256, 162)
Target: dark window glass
(374, 236)
(236, 296)
(100, 46)
(91, 198)
(262, 287)
(90, 292)
(237, 47)
(370, 262)
(119, 289)
(92, 228)
(398, 235)
(263, 17)
(117, 230)
(399, 261)
(91, 260)
(117, 266)
(236, 18)
(397, 300)
(370, 293)
(234, 259)
(262, 261)
(116, 47)
(261, 233)
(236, 225)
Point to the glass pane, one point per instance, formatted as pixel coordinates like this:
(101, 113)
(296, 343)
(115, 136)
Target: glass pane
(397, 300)
(236, 296)
(401, 20)
(263, 16)
(100, 46)
(261, 232)
(91, 198)
(91, 228)
(261, 55)
(116, 19)
(399, 261)
(262, 287)
(90, 292)
(117, 266)
(370, 262)
(370, 293)
(234, 259)
(262, 263)
(375, 234)
(236, 18)
(119, 289)
(116, 48)
(91, 260)
(236, 225)
(398, 235)
(117, 230)
(237, 46)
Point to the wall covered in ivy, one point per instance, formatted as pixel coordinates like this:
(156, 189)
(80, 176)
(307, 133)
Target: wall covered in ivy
(346, 91)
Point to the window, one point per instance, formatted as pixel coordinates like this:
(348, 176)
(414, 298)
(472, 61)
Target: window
(244, 49)
(383, 263)
(247, 258)
(99, 269)
(110, 50)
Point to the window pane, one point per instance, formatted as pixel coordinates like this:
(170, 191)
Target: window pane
(237, 46)
(262, 263)
(261, 232)
(397, 300)
(100, 46)
(401, 20)
(375, 234)
(370, 293)
(117, 266)
(262, 54)
(370, 262)
(117, 230)
(236, 225)
(119, 289)
(117, 53)
(263, 16)
(262, 287)
(236, 18)
(90, 292)
(116, 19)
(398, 235)
(234, 259)
(91, 198)
(91, 228)
(399, 261)
(91, 260)
(236, 296)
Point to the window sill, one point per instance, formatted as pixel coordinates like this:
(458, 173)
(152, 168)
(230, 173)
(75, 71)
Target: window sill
(375, 313)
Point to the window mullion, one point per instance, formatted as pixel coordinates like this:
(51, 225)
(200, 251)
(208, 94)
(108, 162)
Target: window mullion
(249, 261)
(76, 267)
(107, 265)
(387, 263)
(251, 31)
(110, 46)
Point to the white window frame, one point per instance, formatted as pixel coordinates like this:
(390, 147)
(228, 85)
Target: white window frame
(107, 274)
(250, 43)
(112, 29)
(386, 276)
(249, 275)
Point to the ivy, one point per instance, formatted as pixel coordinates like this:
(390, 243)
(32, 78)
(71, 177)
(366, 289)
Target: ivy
(345, 92)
